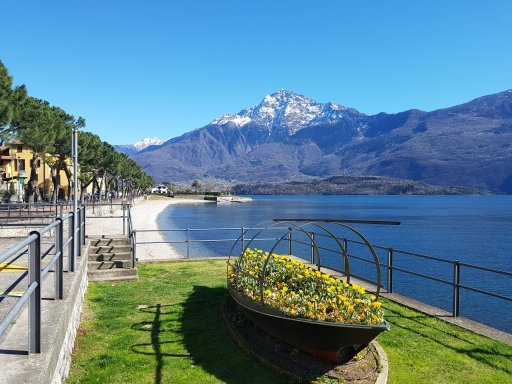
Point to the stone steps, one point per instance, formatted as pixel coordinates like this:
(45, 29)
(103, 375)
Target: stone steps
(109, 242)
(102, 265)
(110, 249)
(118, 274)
(110, 256)
(109, 259)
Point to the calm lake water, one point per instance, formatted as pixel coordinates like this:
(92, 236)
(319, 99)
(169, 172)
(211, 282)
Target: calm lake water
(471, 229)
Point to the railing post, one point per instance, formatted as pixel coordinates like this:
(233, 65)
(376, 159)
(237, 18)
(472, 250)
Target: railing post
(78, 234)
(188, 243)
(345, 247)
(456, 288)
(390, 270)
(82, 231)
(312, 247)
(289, 241)
(59, 268)
(34, 309)
(243, 239)
(124, 218)
(71, 250)
(134, 251)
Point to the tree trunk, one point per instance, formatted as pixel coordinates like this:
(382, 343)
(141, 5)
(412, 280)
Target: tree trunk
(32, 183)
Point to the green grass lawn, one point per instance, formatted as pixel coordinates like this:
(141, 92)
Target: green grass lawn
(168, 328)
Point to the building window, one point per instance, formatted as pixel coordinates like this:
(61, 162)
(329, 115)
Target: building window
(19, 148)
(21, 164)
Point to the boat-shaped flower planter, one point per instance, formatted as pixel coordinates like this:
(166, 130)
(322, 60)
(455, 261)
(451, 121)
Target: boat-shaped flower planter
(337, 342)
(330, 340)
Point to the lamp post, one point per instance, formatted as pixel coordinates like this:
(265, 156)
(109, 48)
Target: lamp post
(74, 154)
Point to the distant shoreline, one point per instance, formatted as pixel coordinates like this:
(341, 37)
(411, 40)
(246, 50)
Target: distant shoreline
(351, 185)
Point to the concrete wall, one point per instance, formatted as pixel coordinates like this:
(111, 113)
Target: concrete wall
(74, 311)
(60, 321)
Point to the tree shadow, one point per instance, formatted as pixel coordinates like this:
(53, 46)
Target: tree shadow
(207, 338)
(156, 328)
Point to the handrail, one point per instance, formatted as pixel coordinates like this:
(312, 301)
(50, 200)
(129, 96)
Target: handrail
(32, 245)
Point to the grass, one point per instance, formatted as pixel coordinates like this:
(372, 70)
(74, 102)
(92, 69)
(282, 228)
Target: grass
(168, 328)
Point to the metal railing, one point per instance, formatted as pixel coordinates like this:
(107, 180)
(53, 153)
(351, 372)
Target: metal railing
(31, 246)
(311, 252)
(131, 232)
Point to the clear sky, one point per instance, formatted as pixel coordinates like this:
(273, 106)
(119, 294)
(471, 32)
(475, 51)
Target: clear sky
(145, 68)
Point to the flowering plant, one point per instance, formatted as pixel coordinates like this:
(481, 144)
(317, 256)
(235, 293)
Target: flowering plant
(300, 291)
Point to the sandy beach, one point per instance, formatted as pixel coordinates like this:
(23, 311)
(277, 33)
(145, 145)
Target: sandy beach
(144, 215)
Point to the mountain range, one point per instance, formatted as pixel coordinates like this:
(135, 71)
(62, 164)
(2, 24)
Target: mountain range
(289, 137)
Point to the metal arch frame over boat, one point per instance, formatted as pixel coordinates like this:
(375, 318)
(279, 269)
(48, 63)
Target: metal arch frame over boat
(333, 341)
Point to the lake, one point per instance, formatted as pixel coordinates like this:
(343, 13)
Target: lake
(471, 229)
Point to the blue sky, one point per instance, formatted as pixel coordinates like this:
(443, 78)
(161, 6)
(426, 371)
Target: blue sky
(150, 68)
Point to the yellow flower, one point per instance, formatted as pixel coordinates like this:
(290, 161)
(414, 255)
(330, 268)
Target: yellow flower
(377, 304)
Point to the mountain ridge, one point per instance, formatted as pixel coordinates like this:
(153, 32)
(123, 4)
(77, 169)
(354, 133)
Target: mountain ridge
(288, 136)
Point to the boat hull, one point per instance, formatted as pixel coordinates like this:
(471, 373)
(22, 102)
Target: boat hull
(338, 342)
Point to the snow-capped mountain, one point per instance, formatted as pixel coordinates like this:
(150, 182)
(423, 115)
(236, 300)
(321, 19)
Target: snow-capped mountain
(144, 143)
(288, 137)
(287, 112)
(131, 149)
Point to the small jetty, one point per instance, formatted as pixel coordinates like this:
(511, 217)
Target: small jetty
(228, 199)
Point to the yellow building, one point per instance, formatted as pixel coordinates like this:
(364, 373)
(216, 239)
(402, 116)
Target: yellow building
(15, 161)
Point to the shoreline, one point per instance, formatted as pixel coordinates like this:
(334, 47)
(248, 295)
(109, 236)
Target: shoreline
(145, 214)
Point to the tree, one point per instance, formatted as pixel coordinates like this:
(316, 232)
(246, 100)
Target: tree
(64, 125)
(46, 130)
(6, 107)
(170, 186)
(89, 159)
(10, 100)
(34, 124)
(196, 185)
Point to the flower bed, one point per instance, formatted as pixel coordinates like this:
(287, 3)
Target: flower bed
(300, 291)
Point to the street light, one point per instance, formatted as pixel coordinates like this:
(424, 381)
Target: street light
(76, 241)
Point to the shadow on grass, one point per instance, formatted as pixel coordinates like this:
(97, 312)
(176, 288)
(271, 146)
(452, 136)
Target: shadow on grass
(490, 357)
(198, 324)
(207, 339)
(156, 329)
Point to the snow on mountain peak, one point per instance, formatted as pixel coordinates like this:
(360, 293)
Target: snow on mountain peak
(287, 111)
(235, 119)
(144, 143)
